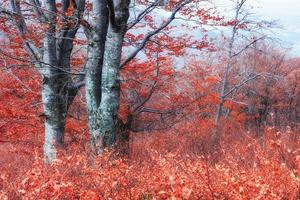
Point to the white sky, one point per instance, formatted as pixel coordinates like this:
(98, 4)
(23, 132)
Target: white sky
(287, 12)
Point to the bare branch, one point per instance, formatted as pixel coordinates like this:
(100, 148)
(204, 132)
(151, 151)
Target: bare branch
(33, 62)
(241, 84)
(152, 88)
(152, 33)
(143, 14)
(246, 47)
(16, 16)
(150, 110)
(37, 9)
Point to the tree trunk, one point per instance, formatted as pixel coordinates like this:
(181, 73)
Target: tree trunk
(217, 134)
(57, 78)
(52, 60)
(54, 119)
(55, 96)
(55, 111)
(109, 105)
(94, 64)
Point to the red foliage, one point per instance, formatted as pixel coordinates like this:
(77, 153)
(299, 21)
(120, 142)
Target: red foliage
(174, 162)
(161, 168)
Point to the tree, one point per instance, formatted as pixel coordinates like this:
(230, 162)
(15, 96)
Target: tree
(239, 24)
(49, 51)
(271, 99)
(103, 107)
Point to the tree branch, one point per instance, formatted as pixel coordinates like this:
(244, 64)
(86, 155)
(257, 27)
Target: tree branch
(240, 84)
(152, 88)
(143, 14)
(16, 16)
(37, 9)
(152, 33)
(40, 63)
(246, 47)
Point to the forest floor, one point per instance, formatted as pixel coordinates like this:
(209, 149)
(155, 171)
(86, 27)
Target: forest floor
(165, 165)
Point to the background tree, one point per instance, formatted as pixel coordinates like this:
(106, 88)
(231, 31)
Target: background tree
(243, 29)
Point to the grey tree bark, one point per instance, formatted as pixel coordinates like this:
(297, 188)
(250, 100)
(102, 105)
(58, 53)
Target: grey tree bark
(240, 18)
(103, 94)
(105, 31)
(53, 100)
(109, 106)
(97, 37)
(224, 87)
(57, 90)
(102, 84)
(53, 63)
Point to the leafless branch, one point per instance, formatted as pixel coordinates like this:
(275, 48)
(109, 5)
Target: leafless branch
(16, 16)
(37, 8)
(246, 47)
(143, 14)
(241, 84)
(152, 33)
(39, 62)
(152, 88)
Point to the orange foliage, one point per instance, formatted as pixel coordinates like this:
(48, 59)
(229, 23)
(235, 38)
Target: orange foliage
(162, 166)
(168, 164)
(172, 163)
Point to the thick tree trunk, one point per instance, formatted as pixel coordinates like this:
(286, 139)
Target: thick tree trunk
(53, 62)
(54, 97)
(109, 105)
(55, 111)
(57, 78)
(93, 89)
(94, 64)
(54, 122)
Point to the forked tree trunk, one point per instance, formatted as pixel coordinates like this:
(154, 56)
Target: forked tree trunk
(96, 37)
(55, 84)
(56, 100)
(109, 105)
(53, 63)
(57, 77)
(54, 119)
